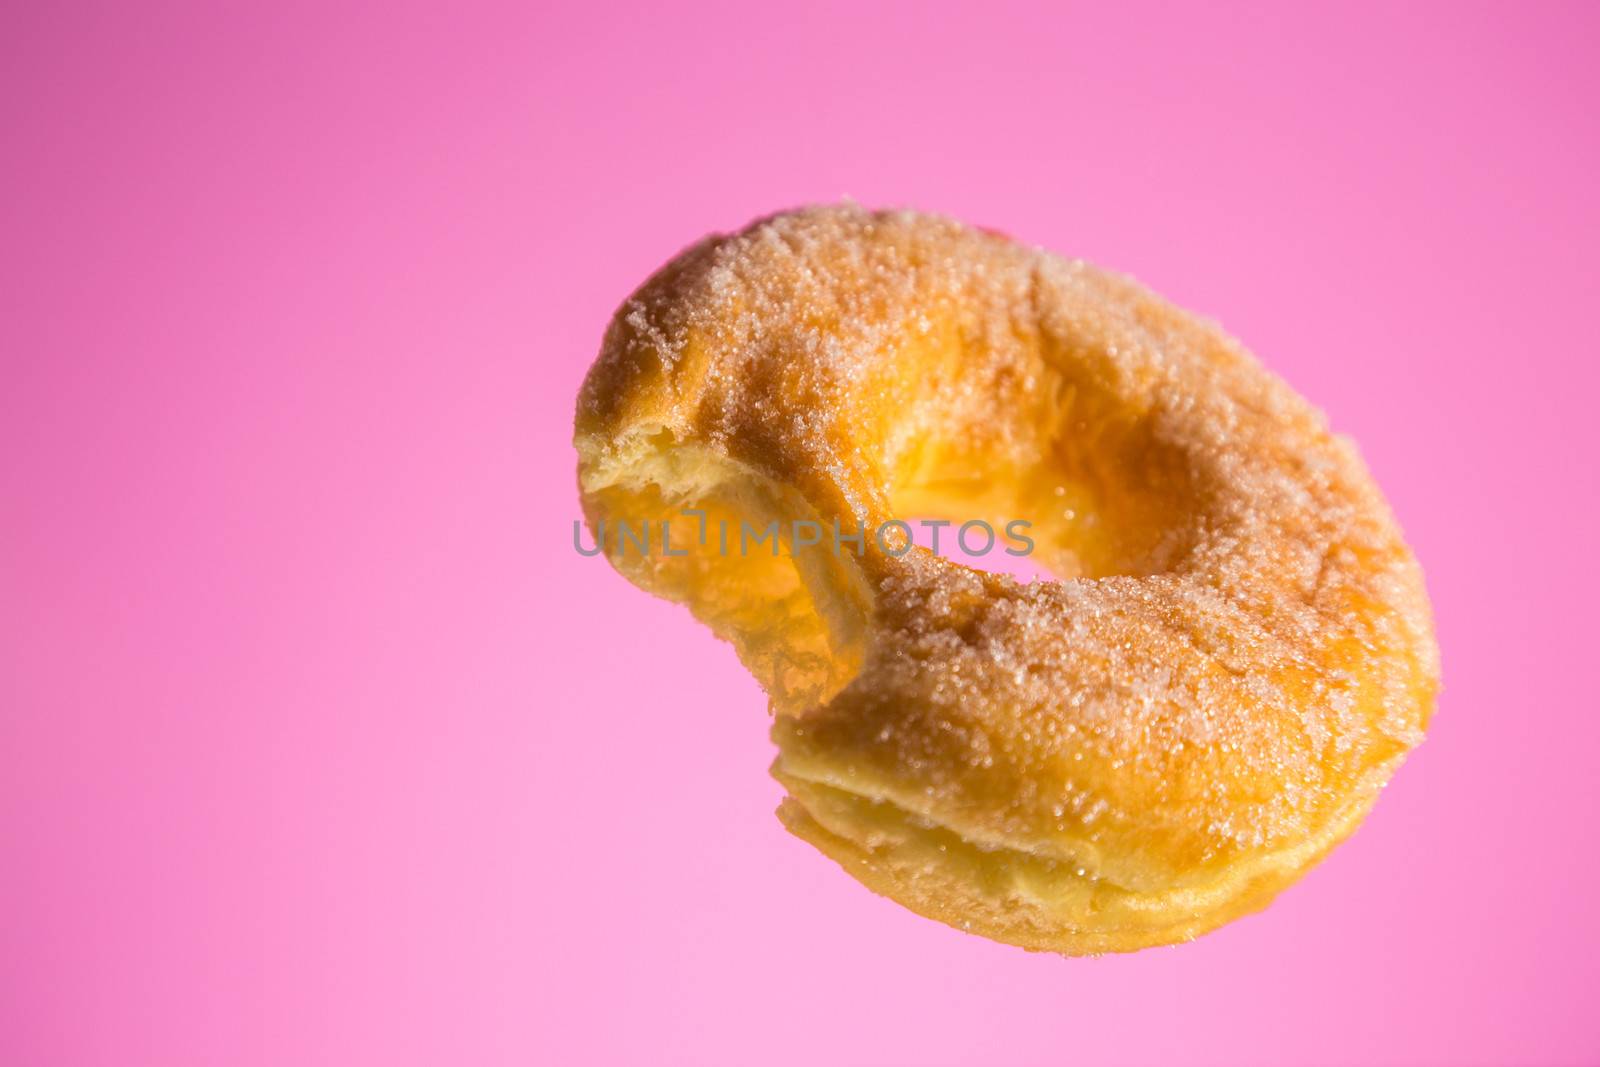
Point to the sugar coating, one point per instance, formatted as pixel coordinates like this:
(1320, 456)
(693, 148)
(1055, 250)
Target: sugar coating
(1239, 653)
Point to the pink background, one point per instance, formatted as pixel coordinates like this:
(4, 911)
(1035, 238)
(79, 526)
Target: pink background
(319, 745)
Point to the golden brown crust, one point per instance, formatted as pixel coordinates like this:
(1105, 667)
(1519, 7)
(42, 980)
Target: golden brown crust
(1238, 656)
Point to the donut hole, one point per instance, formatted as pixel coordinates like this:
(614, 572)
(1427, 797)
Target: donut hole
(995, 546)
(693, 526)
(1045, 525)
(1085, 488)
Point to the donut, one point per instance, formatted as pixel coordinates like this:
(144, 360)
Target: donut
(1234, 656)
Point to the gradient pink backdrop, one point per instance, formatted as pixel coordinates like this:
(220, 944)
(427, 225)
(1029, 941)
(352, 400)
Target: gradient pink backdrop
(318, 744)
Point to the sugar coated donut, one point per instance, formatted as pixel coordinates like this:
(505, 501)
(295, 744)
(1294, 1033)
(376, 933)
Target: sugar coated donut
(1238, 652)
